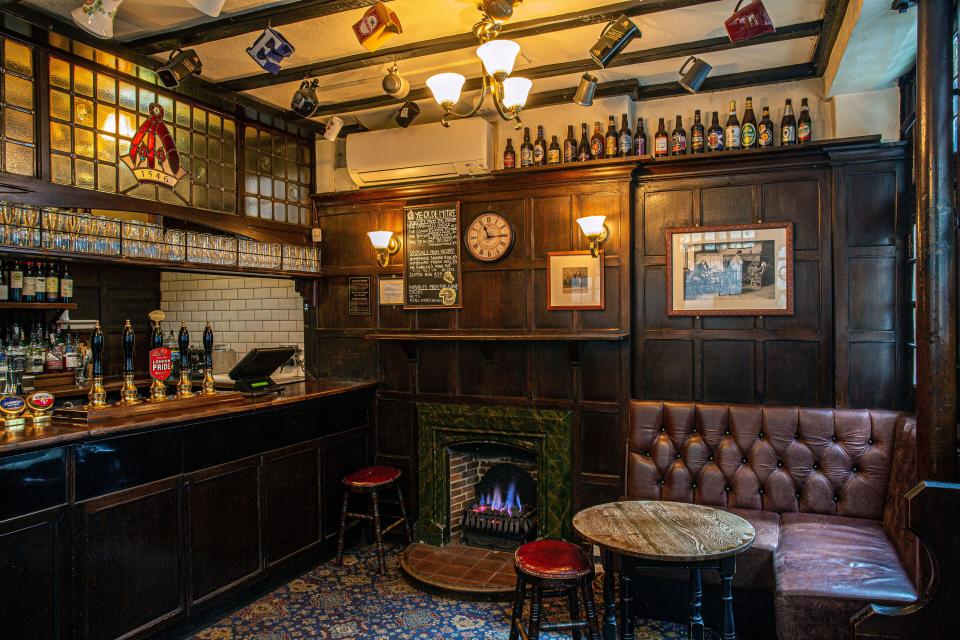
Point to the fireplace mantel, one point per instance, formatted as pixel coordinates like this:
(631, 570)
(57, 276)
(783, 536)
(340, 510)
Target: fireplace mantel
(543, 432)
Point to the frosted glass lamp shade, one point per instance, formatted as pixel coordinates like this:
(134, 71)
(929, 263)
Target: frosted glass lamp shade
(592, 226)
(515, 92)
(210, 7)
(498, 56)
(446, 87)
(380, 239)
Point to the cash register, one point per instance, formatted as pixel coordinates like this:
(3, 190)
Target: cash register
(251, 375)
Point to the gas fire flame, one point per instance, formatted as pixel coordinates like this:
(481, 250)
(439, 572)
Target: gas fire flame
(495, 501)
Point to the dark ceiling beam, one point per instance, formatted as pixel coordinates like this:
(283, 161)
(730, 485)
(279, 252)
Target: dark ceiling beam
(247, 22)
(833, 14)
(515, 30)
(700, 47)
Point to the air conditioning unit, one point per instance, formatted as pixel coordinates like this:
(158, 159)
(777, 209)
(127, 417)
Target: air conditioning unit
(422, 152)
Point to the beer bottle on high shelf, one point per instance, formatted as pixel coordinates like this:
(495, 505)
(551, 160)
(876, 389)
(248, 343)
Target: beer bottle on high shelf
(625, 138)
(583, 150)
(570, 146)
(509, 156)
(596, 143)
(16, 282)
(53, 284)
(804, 124)
(540, 148)
(748, 130)
(765, 134)
(715, 134)
(678, 139)
(40, 282)
(698, 138)
(640, 139)
(731, 133)
(661, 142)
(66, 285)
(526, 149)
(30, 283)
(610, 141)
(788, 125)
(553, 152)
(4, 294)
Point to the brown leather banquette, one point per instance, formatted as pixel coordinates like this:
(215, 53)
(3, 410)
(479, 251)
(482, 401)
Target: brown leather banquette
(823, 488)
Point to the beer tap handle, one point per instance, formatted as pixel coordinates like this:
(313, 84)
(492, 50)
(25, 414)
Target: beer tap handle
(128, 342)
(208, 347)
(184, 342)
(156, 336)
(96, 350)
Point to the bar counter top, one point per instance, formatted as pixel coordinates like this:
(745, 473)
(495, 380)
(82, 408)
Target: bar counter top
(14, 441)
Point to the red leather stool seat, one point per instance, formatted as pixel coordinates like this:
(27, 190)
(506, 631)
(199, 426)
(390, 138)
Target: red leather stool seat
(375, 476)
(552, 559)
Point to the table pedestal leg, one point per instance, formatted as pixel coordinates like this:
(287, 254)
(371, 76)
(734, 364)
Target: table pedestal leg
(609, 598)
(695, 628)
(626, 598)
(727, 568)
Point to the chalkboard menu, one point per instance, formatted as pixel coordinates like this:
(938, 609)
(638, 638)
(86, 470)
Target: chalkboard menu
(431, 269)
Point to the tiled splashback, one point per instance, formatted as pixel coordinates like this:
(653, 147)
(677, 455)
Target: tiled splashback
(245, 312)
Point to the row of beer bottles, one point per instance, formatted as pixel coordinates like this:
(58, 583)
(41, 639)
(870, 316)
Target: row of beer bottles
(613, 144)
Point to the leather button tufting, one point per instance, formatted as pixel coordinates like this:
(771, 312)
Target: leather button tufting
(693, 485)
(779, 463)
(663, 429)
(743, 460)
(798, 495)
(760, 492)
(678, 456)
(646, 454)
(760, 435)
(727, 432)
(816, 465)
(836, 498)
(834, 437)
(727, 488)
(856, 468)
(870, 441)
(710, 458)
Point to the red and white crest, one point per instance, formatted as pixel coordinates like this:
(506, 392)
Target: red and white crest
(153, 156)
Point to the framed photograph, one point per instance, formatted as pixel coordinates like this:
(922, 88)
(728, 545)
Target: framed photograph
(734, 270)
(574, 280)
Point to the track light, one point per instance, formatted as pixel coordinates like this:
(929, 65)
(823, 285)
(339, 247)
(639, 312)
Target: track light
(181, 65)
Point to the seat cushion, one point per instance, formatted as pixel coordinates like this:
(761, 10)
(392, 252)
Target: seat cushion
(830, 567)
(554, 559)
(374, 476)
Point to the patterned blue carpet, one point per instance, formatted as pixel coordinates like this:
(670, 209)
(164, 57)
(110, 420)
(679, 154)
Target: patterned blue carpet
(334, 603)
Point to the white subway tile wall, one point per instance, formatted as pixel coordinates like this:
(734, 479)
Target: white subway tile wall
(245, 312)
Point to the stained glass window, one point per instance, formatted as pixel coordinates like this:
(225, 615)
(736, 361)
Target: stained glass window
(277, 172)
(17, 124)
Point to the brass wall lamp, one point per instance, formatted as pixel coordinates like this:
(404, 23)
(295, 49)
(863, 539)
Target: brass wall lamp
(596, 229)
(386, 245)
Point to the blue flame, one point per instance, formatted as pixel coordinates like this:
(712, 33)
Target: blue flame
(495, 500)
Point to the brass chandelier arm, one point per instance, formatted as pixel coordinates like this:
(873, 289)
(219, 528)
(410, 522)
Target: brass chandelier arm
(494, 88)
(451, 113)
(513, 114)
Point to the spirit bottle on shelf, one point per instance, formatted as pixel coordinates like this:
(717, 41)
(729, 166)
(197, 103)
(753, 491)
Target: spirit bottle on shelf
(748, 131)
(731, 132)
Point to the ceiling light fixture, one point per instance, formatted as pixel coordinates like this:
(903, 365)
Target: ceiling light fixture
(181, 65)
(498, 58)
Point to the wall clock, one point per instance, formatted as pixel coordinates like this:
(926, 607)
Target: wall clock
(489, 237)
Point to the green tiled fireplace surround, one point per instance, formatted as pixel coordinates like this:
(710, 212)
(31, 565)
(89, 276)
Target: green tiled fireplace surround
(544, 433)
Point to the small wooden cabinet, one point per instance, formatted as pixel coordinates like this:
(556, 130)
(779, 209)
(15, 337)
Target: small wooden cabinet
(291, 501)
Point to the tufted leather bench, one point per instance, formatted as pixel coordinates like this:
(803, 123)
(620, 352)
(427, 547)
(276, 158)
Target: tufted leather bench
(823, 488)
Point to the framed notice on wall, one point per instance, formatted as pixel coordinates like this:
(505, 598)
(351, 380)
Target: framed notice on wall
(359, 296)
(431, 266)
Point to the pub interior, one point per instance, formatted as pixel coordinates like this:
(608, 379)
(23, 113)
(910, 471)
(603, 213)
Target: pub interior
(363, 319)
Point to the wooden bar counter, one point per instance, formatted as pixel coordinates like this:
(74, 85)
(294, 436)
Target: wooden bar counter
(130, 525)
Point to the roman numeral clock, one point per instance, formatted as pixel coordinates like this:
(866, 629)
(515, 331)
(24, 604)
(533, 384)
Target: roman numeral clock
(489, 237)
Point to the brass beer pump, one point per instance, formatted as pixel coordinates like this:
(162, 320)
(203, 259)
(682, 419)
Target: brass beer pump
(98, 395)
(158, 390)
(209, 386)
(184, 387)
(128, 392)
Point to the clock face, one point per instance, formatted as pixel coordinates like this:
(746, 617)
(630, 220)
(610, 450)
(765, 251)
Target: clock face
(489, 237)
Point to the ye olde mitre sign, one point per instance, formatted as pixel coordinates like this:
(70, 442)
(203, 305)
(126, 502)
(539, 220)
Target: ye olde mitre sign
(153, 156)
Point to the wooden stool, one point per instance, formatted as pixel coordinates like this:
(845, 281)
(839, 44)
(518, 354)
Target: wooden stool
(372, 480)
(553, 568)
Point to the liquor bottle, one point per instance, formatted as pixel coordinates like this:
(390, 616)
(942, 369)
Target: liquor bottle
(53, 284)
(678, 139)
(40, 282)
(765, 132)
(4, 290)
(30, 283)
(70, 359)
(66, 285)
(661, 142)
(596, 143)
(570, 146)
(611, 142)
(16, 282)
(583, 151)
(731, 132)
(748, 131)
(526, 149)
(540, 148)
(715, 134)
(640, 139)
(53, 362)
(625, 138)
(804, 124)
(698, 137)
(509, 156)
(553, 151)
(788, 125)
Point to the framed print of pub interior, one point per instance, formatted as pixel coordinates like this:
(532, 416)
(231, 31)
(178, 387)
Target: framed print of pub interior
(475, 319)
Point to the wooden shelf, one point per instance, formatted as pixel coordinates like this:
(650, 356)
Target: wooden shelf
(59, 306)
(476, 336)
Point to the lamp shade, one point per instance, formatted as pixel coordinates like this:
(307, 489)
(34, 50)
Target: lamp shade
(446, 87)
(380, 239)
(96, 16)
(592, 226)
(498, 56)
(515, 92)
(210, 7)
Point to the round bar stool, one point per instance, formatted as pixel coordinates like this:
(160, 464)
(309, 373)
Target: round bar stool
(553, 568)
(372, 480)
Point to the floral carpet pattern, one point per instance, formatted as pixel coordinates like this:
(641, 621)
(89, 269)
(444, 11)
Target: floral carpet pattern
(354, 601)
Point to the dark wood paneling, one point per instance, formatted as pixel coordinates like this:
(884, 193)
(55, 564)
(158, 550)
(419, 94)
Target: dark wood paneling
(601, 443)
(667, 370)
(662, 210)
(291, 495)
(339, 457)
(871, 211)
(871, 303)
(788, 367)
(728, 369)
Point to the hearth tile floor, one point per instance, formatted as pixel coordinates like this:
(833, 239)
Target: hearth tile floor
(460, 568)
(354, 601)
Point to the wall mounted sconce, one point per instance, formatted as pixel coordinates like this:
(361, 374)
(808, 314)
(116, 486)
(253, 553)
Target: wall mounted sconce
(386, 245)
(595, 228)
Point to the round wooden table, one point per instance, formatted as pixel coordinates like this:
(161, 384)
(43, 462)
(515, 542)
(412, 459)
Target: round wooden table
(652, 534)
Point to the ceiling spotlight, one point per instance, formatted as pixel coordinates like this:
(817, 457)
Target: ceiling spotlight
(693, 78)
(96, 16)
(181, 65)
(395, 85)
(615, 37)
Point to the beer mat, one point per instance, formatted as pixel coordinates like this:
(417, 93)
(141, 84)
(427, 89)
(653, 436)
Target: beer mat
(77, 415)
